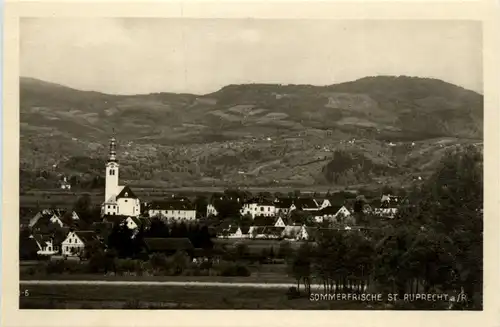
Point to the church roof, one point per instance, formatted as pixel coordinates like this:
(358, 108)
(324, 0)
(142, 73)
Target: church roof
(126, 192)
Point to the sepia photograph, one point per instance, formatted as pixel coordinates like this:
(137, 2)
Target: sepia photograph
(255, 164)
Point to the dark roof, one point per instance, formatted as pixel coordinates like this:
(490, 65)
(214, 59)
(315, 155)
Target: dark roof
(168, 244)
(283, 203)
(114, 218)
(305, 203)
(142, 221)
(126, 192)
(261, 201)
(86, 236)
(264, 221)
(329, 210)
(173, 204)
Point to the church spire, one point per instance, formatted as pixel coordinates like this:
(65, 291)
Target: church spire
(112, 149)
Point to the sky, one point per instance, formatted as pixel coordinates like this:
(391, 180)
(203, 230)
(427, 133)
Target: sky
(147, 55)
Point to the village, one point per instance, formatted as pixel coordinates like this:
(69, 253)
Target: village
(61, 233)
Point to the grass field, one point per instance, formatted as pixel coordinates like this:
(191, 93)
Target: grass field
(264, 276)
(171, 297)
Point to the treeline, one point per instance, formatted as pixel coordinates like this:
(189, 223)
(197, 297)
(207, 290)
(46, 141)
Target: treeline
(434, 246)
(347, 168)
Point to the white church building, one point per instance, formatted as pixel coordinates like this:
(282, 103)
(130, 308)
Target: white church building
(118, 200)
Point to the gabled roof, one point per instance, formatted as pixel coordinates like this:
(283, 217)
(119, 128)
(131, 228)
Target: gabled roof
(332, 210)
(283, 203)
(86, 236)
(126, 192)
(244, 229)
(142, 221)
(305, 203)
(168, 244)
(114, 219)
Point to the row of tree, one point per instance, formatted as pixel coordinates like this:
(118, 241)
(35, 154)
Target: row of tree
(436, 245)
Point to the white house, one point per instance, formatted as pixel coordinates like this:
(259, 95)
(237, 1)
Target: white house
(385, 212)
(45, 244)
(75, 242)
(258, 207)
(118, 200)
(279, 222)
(211, 211)
(235, 232)
(65, 185)
(175, 209)
(331, 213)
(323, 203)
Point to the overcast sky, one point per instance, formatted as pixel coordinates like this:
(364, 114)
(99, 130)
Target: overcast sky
(144, 55)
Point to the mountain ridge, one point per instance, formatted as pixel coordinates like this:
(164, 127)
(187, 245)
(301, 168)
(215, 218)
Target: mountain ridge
(251, 133)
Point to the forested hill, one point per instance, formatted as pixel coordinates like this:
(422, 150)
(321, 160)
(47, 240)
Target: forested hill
(253, 134)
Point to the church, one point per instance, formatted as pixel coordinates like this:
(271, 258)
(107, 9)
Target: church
(118, 200)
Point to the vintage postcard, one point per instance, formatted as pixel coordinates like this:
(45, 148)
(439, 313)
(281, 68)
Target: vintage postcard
(200, 163)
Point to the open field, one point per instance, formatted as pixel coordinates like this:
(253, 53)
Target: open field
(171, 297)
(263, 277)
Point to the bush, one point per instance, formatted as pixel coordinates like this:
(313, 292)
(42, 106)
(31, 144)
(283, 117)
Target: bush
(129, 265)
(233, 269)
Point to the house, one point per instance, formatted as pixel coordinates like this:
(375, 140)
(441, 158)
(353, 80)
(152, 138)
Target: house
(65, 185)
(389, 205)
(173, 209)
(321, 204)
(304, 204)
(76, 241)
(234, 231)
(53, 215)
(283, 205)
(211, 211)
(168, 246)
(268, 221)
(332, 213)
(258, 207)
(389, 201)
(47, 244)
(217, 203)
(118, 200)
(135, 223)
(49, 223)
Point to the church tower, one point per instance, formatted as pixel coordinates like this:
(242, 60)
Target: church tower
(112, 167)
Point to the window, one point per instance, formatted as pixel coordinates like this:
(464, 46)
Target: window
(109, 206)
(69, 240)
(111, 172)
(261, 208)
(114, 207)
(126, 200)
(268, 208)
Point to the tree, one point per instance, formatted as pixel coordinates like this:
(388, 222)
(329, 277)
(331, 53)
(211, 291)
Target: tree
(83, 207)
(201, 203)
(299, 266)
